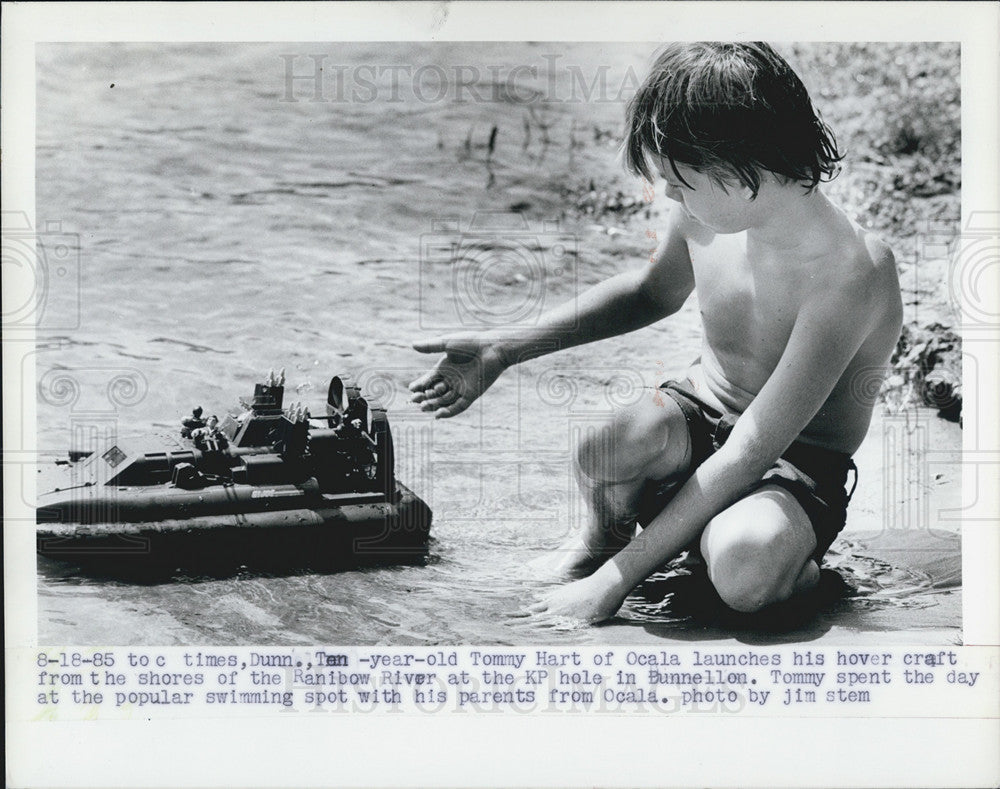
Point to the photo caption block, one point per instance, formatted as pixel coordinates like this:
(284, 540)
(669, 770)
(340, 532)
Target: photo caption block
(141, 683)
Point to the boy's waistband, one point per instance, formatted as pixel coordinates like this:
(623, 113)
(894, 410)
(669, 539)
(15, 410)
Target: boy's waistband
(799, 453)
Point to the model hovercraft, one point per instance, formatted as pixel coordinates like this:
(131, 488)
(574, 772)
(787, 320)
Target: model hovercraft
(268, 489)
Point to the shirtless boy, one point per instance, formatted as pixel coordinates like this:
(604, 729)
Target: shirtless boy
(800, 308)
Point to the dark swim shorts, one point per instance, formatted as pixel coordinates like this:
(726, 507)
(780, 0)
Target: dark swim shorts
(816, 477)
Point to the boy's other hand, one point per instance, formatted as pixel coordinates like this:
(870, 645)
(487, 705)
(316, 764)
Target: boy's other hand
(588, 600)
(467, 369)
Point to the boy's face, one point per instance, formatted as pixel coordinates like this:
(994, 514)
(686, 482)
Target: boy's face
(724, 210)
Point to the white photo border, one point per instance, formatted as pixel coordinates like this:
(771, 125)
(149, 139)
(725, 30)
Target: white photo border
(547, 749)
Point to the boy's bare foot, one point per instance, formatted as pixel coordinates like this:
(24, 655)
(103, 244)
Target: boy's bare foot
(575, 558)
(569, 560)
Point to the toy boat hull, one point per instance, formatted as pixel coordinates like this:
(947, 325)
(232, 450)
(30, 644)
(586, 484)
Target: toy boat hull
(151, 536)
(268, 490)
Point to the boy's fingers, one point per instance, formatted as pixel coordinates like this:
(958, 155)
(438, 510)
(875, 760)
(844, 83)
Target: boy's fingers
(444, 407)
(563, 623)
(455, 408)
(435, 378)
(437, 345)
(441, 392)
(431, 399)
(447, 398)
(551, 621)
(425, 381)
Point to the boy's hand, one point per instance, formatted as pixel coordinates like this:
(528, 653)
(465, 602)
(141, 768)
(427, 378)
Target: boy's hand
(587, 600)
(468, 368)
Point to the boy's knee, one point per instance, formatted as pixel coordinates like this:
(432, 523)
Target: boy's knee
(641, 442)
(752, 567)
(749, 586)
(607, 453)
(744, 579)
(747, 592)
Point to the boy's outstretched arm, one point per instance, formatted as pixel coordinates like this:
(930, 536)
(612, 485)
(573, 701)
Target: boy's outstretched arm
(827, 334)
(623, 303)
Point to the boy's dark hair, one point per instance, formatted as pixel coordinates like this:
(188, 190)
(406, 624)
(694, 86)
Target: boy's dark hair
(728, 109)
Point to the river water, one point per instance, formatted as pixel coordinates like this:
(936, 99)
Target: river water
(229, 221)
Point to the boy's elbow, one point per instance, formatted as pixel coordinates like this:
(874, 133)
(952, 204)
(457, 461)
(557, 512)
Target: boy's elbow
(659, 304)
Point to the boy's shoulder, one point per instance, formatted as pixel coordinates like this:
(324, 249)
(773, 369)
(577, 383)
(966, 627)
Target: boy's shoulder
(866, 246)
(879, 253)
(853, 251)
(856, 271)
